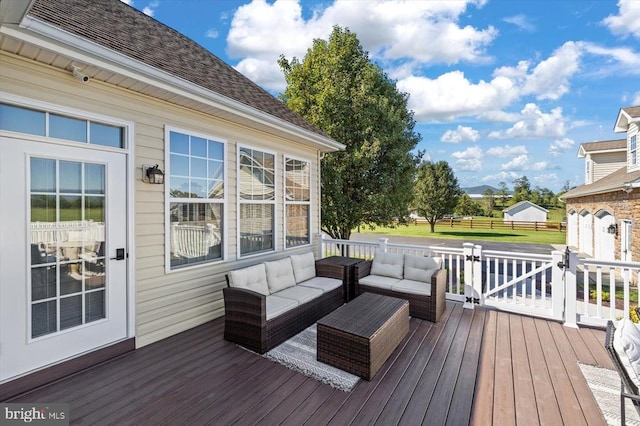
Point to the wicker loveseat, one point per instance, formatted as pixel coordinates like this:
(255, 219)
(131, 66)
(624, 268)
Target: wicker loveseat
(623, 345)
(268, 303)
(418, 279)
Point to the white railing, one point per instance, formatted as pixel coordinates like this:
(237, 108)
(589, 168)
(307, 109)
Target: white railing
(557, 285)
(596, 294)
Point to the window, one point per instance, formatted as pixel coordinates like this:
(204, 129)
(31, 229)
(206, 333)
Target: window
(24, 120)
(256, 199)
(633, 150)
(588, 171)
(297, 182)
(196, 199)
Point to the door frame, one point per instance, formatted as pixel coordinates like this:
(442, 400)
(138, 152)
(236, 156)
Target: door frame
(129, 185)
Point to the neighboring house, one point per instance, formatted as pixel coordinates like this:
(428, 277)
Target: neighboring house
(602, 158)
(603, 215)
(525, 211)
(94, 259)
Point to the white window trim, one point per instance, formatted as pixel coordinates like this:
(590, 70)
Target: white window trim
(276, 181)
(285, 202)
(167, 200)
(630, 154)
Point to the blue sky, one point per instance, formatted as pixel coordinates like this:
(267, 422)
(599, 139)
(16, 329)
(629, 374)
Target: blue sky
(500, 88)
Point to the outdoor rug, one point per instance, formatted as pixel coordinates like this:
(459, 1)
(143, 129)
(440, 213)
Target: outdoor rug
(299, 354)
(605, 386)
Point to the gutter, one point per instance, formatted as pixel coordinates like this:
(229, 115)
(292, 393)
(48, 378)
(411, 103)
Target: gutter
(77, 48)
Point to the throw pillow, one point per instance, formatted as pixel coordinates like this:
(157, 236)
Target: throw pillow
(279, 275)
(420, 268)
(304, 266)
(253, 278)
(630, 339)
(388, 265)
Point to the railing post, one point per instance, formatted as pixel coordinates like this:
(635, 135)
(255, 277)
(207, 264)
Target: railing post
(477, 273)
(557, 285)
(469, 295)
(570, 306)
(383, 244)
(320, 243)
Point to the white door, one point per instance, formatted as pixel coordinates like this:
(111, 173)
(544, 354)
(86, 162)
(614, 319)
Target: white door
(63, 217)
(625, 241)
(572, 229)
(586, 233)
(604, 240)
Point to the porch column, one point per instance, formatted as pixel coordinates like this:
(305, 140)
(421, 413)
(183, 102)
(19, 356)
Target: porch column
(570, 306)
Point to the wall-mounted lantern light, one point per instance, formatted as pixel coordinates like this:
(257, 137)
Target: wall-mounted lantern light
(613, 229)
(152, 174)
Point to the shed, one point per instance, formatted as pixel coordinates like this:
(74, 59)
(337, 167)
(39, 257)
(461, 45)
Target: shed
(525, 211)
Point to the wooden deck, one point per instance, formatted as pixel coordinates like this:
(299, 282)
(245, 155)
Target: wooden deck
(473, 367)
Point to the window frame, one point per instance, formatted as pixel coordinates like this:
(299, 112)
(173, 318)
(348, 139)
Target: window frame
(240, 201)
(168, 200)
(286, 202)
(634, 158)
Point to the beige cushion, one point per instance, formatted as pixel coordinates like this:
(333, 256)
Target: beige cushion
(420, 268)
(322, 283)
(630, 339)
(304, 266)
(299, 293)
(278, 305)
(413, 287)
(622, 354)
(378, 281)
(252, 278)
(279, 275)
(388, 265)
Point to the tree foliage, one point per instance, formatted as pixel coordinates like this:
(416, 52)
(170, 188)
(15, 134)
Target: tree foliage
(503, 193)
(521, 189)
(489, 202)
(339, 90)
(436, 191)
(467, 207)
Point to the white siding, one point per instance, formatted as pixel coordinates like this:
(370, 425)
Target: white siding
(165, 303)
(605, 163)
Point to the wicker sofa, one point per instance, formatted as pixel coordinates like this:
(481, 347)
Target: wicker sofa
(623, 345)
(268, 303)
(418, 279)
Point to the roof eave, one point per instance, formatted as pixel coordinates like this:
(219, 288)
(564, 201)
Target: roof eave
(623, 121)
(50, 37)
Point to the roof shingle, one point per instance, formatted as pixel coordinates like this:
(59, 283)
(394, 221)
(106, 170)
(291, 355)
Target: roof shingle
(117, 26)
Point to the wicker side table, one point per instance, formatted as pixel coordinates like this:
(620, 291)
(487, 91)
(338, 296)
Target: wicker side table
(359, 337)
(348, 264)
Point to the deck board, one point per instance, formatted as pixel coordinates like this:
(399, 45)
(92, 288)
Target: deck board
(474, 366)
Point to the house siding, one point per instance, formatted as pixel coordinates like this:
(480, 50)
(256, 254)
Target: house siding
(166, 303)
(634, 129)
(621, 205)
(604, 164)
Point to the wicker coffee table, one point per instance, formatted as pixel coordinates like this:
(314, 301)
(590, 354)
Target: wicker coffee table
(359, 337)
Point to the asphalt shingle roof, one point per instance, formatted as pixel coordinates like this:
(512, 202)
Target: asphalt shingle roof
(613, 182)
(604, 145)
(117, 26)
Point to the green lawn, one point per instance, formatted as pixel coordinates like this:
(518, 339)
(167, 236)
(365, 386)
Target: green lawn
(500, 235)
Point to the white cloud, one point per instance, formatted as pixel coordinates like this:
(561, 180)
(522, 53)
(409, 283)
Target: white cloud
(518, 163)
(636, 98)
(627, 22)
(150, 8)
(211, 33)
(521, 21)
(507, 151)
(540, 165)
(469, 160)
(560, 146)
(546, 178)
(461, 134)
(419, 32)
(616, 60)
(550, 78)
(534, 123)
(451, 95)
(502, 176)
(129, 2)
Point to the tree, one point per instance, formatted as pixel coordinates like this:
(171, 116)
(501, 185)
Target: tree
(466, 206)
(436, 191)
(503, 193)
(521, 189)
(337, 89)
(489, 201)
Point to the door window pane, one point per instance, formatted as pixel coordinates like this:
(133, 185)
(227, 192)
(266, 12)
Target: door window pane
(22, 120)
(105, 135)
(94, 306)
(72, 129)
(67, 231)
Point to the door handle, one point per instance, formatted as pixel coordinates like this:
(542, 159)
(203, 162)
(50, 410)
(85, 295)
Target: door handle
(120, 255)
